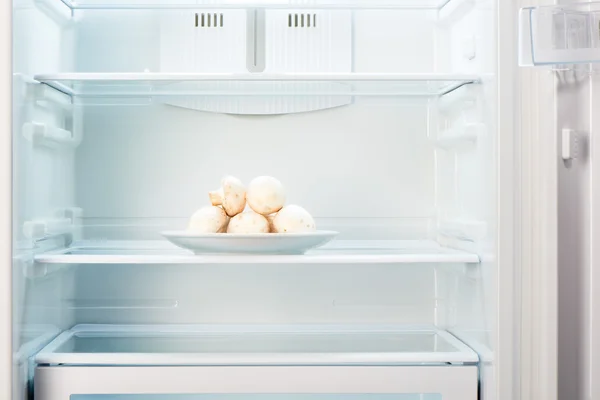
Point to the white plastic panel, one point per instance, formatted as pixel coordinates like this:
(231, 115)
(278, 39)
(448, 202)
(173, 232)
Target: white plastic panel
(308, 42)
(171, 396)
(201, 41)
(453, 383)
(130, 40)
(108, 4)
(253, 345)
(282, 41)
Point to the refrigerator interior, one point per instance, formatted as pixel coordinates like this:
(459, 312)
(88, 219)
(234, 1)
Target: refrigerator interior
(377, 116)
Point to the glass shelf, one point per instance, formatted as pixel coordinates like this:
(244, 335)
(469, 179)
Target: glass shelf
(560, 34)
(254, 345)
(338, 252)
(220, 4)
(156, 84)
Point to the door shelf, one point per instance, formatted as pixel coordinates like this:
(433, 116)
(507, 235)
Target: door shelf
(220, 4)
(560, 34)
(234, 345)
(145, 85)
(338, 252)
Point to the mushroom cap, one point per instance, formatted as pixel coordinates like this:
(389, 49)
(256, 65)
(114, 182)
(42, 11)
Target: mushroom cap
(293, 219)
(248, 222)
(231, 195)
(208, 220)
(265, 195)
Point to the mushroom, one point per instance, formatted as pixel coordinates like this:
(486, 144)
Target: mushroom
(248, 222)
(266, 195)
(209, 220)
(271, 218)
(231, 195)
(293, 219)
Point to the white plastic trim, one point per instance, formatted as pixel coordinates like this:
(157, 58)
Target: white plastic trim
(570, 144)
(536, 294)
(539, 271)
(41, 134)
(40, 228)
(506, 326)
(28, 349)
(153, 76)
(49, 355)
(455, 10)
(373, 252)
(458, 137)
(459, 99)
(56, 10)
(6, 293)
(594, 155)
(45, 94)
(58, 383)
(225, 4)
(106, 84)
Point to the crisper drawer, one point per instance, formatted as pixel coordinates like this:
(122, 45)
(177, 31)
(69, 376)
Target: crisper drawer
(266, 383)
(108, 362)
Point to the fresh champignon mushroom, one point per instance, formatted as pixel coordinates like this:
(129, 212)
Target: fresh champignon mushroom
(248, 222)
(271, 219)
(293, 219)
(209, 220)
(231, 195)
(266, 195)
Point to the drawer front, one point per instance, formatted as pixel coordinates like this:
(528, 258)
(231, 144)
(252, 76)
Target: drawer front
(250, 383)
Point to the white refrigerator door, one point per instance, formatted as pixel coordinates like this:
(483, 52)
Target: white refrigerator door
(570, 94)
(5, 201)
(537, 159)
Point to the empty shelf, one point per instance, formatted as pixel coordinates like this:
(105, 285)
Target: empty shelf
(158, 84)
(559, 34)
(338, 252)
(254, 345)
(296, 4)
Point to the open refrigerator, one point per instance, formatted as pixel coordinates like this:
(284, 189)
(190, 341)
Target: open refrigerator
(417, 129)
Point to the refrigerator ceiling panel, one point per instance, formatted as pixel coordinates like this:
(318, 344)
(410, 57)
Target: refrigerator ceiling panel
(312, 4)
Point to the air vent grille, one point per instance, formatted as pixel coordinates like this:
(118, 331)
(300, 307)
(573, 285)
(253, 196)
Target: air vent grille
(208, 20)
(302, 20)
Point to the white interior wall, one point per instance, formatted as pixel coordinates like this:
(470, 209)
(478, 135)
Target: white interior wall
(163, 160)
(43, 177)
(392, 170)
(271, 294)
(187, 151)
(365, 169)
(43, 182)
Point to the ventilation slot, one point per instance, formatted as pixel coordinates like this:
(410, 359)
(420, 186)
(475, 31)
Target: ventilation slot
(208, 20)
(302, 20)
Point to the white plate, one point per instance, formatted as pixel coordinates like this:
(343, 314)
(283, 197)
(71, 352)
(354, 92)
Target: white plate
(257, 243)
